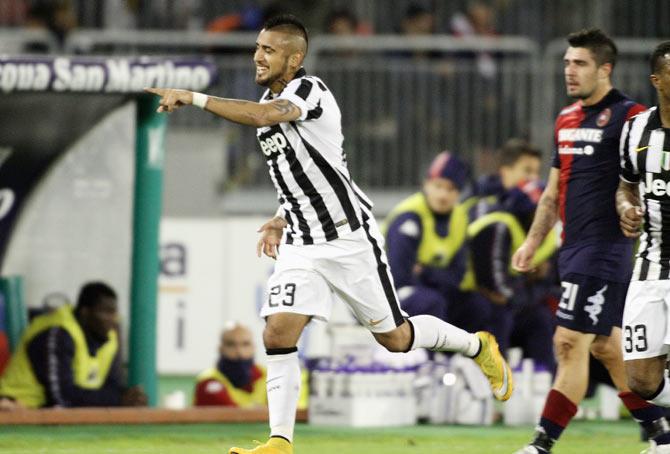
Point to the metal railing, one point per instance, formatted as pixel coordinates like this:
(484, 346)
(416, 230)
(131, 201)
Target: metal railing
(540, 20)
(402, 100)
(405, 99)
(14, 41)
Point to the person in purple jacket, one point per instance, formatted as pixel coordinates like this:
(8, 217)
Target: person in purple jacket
(426, 245)
(520, 316)
(518, 161)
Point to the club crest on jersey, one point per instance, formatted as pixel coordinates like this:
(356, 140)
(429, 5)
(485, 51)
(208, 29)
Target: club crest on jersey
(604, 117)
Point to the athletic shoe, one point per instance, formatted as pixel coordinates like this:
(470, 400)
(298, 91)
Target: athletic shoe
(274, 445)
(494, 366)
(541, 443)
(530, 449)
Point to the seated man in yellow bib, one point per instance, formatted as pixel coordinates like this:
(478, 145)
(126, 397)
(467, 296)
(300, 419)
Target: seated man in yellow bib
(70, 357)
(236, 380)
(426, 240)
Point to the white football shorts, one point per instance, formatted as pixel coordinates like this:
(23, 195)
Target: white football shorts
(353, 269)
(646, 320)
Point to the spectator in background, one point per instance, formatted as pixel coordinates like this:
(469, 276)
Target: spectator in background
(477, 21)
(514, 318)
(426, 239)
(344, 23)
(70, 357)
(13, 12)
(418, 20)
(56, 16)
(518, 161)
(341, 22)
(236, 380)
(519, 315)
(247, 19)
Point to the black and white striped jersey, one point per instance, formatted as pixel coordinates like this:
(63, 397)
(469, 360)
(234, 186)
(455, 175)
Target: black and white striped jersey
(645, 159)
(309, 168)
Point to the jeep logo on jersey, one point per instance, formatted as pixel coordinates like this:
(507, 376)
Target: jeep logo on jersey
(655, 186)
(273, 141)
(592, 135)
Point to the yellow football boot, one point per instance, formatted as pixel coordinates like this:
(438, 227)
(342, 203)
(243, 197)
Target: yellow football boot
(274, 445)
(494, 366)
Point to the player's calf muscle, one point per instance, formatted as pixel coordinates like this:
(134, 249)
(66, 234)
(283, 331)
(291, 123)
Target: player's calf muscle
(396, 340)
(644, 376)
(643, 385)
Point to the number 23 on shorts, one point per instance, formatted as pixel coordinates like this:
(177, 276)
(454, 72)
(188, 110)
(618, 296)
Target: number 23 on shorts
(281, 294)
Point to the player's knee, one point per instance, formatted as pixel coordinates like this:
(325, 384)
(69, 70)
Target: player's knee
(642, 384)
(565, 344)
(604, 352)
(273, 337)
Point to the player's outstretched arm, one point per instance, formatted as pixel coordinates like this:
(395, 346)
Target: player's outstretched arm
(628, 206)
(544, 220)
(236, 110)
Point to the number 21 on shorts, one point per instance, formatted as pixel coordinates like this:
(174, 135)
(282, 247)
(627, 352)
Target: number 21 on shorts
(568, 296)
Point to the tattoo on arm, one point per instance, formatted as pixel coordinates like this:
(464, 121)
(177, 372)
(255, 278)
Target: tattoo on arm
(545, 217)
(283, 106)
(253, 113)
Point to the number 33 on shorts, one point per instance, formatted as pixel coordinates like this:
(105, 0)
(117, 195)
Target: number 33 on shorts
(635, 338)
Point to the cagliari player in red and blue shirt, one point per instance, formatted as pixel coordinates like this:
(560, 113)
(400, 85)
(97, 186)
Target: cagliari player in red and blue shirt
(595, 258)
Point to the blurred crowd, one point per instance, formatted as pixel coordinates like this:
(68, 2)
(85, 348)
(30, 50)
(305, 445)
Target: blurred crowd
(476, 17)
(541, 20)
(60, 17)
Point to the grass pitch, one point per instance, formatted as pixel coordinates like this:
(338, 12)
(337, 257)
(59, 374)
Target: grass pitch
(580, 438)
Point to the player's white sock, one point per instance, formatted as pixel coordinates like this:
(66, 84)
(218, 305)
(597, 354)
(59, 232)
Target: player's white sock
(662, 397)
(437, 335)
(283, 385)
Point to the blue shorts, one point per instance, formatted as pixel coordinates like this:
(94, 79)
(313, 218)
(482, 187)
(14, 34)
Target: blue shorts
(591, 304)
